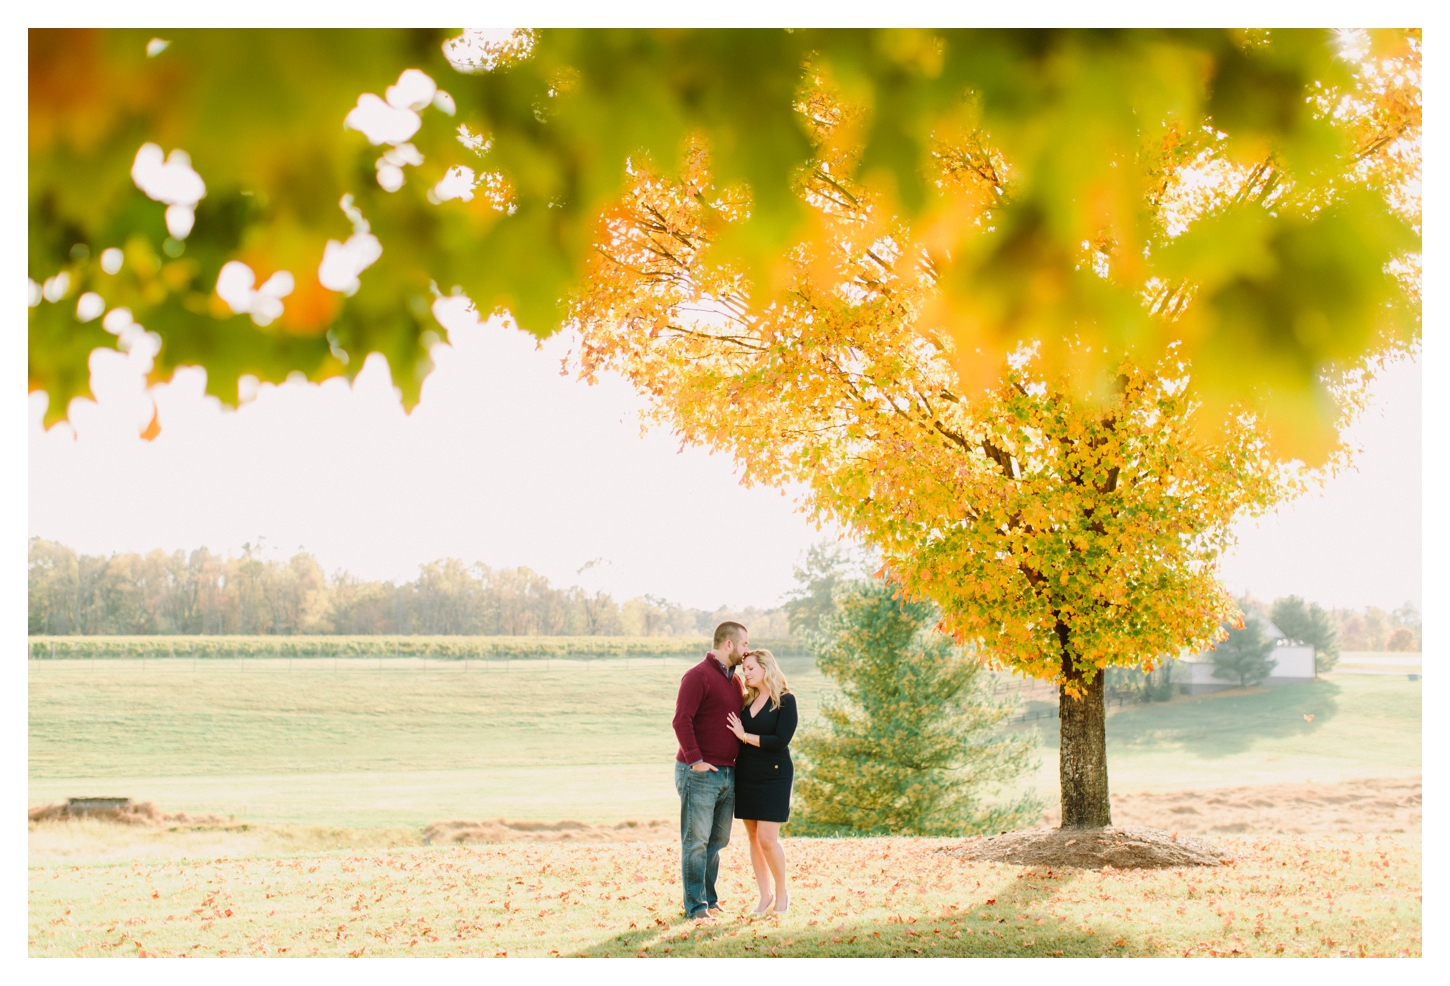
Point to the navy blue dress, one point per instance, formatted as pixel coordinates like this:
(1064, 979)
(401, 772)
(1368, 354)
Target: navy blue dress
(763, 773)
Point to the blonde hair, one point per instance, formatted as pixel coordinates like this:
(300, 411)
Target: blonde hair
(774, 678)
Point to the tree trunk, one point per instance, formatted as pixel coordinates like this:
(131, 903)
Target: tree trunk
(1083, 758)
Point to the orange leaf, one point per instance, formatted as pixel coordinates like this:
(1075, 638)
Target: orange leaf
(154, 428)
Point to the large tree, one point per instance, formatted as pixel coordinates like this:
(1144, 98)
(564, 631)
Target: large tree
(278, 202)
(1060, 528)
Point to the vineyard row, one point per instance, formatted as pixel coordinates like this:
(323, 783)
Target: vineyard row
(445, 648)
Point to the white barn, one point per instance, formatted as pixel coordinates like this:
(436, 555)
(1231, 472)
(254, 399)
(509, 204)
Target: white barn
(1293, 665)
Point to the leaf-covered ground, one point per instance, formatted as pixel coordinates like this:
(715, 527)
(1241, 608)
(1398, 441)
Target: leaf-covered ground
(1282, 895)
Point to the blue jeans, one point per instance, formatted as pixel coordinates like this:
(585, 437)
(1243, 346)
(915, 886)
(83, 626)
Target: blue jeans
(707, 807)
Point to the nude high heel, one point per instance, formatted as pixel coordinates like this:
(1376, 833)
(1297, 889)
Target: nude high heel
(765, 909)
(782, 910)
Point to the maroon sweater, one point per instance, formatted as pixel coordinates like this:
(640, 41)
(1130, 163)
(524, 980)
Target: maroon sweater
(708, 693)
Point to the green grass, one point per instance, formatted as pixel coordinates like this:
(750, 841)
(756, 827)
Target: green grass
(329, 756)
(1363, 726)
(1342, 895)
(360, 746)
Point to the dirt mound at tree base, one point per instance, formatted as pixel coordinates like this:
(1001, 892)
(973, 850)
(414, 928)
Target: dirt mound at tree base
(502, 830)
(1092, 849)
(142, 813)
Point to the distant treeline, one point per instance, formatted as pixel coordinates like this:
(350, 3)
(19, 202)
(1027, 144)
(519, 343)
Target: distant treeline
(204, 593)
(1376, 629)
(1333, 630)
(201, 593)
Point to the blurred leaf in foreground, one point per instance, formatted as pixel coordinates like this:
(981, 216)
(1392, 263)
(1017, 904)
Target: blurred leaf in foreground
(1251, 197)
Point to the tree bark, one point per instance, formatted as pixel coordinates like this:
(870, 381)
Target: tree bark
(1083, 755)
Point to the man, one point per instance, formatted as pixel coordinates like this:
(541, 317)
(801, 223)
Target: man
(705, 765)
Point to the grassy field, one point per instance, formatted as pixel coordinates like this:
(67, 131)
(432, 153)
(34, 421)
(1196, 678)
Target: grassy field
(1362, 726)
(1328, 896)
(331, 769)
(363, 744)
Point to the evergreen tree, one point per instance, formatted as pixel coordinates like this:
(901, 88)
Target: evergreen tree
(1310, 624)
(912, 746)
(1245, 655)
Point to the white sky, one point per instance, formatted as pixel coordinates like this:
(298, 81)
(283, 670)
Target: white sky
(504, 461)
(1357, 542)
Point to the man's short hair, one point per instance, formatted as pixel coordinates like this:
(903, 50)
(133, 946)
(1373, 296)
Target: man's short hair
(730, 630)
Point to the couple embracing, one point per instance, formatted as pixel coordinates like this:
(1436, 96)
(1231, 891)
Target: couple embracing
(734, 718)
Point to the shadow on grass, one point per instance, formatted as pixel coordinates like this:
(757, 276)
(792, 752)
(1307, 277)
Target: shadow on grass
(1007, 927)
(628, 943)
(1221, 724)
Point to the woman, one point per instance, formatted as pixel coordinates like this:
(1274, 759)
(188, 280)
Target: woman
(763, 771)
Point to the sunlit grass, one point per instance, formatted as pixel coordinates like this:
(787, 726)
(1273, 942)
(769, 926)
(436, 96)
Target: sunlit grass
(363, 746)
(354, 749)
(360, 745)
(1362, 726)
(1326, 896)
